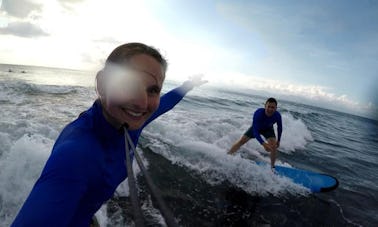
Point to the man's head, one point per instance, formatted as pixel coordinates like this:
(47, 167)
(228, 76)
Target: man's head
(129, 85)
(270, 106)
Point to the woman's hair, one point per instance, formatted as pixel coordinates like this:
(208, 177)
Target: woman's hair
(270, 100)
(123, 53)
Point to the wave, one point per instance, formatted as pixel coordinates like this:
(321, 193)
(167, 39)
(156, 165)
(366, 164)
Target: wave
(19, 88)
(202, 147)
(295, 134)
(20, 167)
(215, 166)
(217, 103)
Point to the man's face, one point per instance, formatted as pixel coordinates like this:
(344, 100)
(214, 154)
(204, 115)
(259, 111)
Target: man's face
(132, 95)
(270, 108)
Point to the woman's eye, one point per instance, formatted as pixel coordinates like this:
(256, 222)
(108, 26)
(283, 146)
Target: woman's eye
(154, 90)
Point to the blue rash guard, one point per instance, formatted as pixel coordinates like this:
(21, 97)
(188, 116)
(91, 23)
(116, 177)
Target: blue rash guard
(85, 167)
(262, 122)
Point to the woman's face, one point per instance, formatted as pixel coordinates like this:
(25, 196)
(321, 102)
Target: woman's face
(132, 93)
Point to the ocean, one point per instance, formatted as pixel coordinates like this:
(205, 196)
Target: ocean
(185, 153)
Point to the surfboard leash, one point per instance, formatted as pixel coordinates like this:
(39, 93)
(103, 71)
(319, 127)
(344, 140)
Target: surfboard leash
(135, 203)
(156, 193)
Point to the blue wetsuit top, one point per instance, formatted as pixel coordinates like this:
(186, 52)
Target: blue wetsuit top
(262, 122)
(85, 167)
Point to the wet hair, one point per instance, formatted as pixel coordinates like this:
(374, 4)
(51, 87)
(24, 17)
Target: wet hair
(122, 55)
(125, 52)
(270, 100)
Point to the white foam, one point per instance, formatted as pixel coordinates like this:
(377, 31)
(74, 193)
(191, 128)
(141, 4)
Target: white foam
(200, 138)
(215, 166)
(151, 211)
(102, 216)
(5, 142)
(123, 188)
(295, 134)
(20, 168)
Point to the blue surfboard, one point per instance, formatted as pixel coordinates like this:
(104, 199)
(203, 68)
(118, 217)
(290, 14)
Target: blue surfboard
(316, 182)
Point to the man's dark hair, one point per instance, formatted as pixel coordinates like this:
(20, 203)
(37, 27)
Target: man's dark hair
(270, 100)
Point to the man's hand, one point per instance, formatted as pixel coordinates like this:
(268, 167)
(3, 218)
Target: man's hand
(267, 147)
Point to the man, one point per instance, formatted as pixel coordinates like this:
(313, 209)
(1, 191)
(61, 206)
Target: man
(87, 162)
(263, 121)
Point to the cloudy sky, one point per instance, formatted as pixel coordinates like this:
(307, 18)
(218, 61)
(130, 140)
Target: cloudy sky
(321, 52)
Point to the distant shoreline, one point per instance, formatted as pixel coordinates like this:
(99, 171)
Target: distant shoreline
(47, 67)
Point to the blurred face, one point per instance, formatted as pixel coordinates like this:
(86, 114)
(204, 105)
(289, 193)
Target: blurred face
(270, 108)
(132, 92)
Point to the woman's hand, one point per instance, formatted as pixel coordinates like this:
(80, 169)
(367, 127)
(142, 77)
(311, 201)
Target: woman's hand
(196, 80)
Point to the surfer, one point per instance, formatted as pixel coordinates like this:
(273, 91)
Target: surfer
(86, 164)
(262, 124)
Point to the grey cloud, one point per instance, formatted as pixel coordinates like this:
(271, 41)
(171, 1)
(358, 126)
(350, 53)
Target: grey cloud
(20, 8)
(90, 59)
(71, 1)
(67, 4)
(108, 40)
(23, 29)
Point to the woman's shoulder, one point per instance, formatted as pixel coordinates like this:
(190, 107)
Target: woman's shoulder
(70, 157)
(77, 139)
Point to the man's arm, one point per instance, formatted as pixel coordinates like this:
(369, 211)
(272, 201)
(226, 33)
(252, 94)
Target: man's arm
(257, 116)
(55, 196)
(257, 127)
(279, 129)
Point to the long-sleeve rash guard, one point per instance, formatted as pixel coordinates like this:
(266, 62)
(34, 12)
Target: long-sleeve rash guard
(86, 165)
(262, 122)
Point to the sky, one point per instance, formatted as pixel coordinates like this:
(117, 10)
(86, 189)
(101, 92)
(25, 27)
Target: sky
(319, 52)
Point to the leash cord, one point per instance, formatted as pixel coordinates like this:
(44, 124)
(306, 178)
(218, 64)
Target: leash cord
(165, 211)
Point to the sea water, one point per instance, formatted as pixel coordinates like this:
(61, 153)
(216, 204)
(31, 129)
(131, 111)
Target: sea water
(185, 152)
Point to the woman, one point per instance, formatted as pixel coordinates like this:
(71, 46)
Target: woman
(87, 161)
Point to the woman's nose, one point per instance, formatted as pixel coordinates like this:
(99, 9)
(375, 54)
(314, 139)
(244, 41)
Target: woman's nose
(138, 96)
